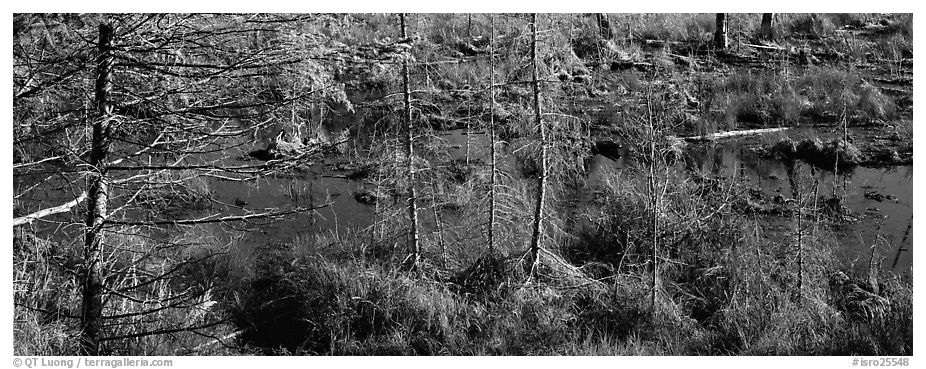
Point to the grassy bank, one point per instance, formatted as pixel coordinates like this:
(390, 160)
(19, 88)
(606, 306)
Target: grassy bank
(724, 288)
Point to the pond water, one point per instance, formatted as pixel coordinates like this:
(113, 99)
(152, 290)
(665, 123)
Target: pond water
(320, 184)
(882, 222)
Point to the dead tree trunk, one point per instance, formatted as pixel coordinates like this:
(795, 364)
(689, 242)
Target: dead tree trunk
(537, 236)
(414, 251)
(494, 176)
(604, 25)
(766, 32)
(720, 31)
(466, 150)
(92, 300)
(800, 240)
(438, 223)
(653, 135)
(845, 141)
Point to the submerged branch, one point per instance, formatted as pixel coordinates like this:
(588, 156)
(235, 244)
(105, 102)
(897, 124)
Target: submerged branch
(214, 219)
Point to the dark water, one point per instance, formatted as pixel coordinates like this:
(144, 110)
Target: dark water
(882, 224)
(879, 223)
(315, 184)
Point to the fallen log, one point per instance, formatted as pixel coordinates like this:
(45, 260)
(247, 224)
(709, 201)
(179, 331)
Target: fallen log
(763, 47)
(684, 60)
(728, 134)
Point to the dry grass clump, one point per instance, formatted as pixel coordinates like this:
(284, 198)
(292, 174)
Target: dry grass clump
(814, 151)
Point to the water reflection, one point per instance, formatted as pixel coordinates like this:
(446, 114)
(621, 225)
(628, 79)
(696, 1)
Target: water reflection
(883, 223)
(887, 218)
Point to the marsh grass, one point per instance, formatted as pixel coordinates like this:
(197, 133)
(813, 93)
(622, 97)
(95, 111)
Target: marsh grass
(818, 95)
(154, 286)
(725, 288)
(43, 306)
(828, 155)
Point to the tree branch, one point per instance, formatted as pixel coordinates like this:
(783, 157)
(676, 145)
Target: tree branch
(164, 331)
(50, 211)
(214, 219)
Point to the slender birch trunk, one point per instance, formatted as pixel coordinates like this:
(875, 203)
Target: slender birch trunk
(92, 300)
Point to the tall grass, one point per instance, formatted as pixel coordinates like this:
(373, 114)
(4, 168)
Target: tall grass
(817, 95)
(154, 286)
(727, 288)
(44, 297)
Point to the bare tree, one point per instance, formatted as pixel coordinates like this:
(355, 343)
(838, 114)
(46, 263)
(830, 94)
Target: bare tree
(92, 311)
(653, 121)
(654, 200)
(604, 26)
(413, 247)
(538, 223)
(159, 124)
(766, 32)
(720, 31)
(493, 159)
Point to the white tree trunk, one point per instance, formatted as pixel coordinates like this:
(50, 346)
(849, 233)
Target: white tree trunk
(537, 235)
(414, 248)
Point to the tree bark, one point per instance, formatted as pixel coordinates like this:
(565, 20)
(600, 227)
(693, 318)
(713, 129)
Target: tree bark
(414, 248)
(654, 201)
(437, 219)
(720, 31)
(494, 176)
(26, 219)
(766, 32)
(537, 235)
(604, 25)
(727, 134)
(800, 246)
(92, 299)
